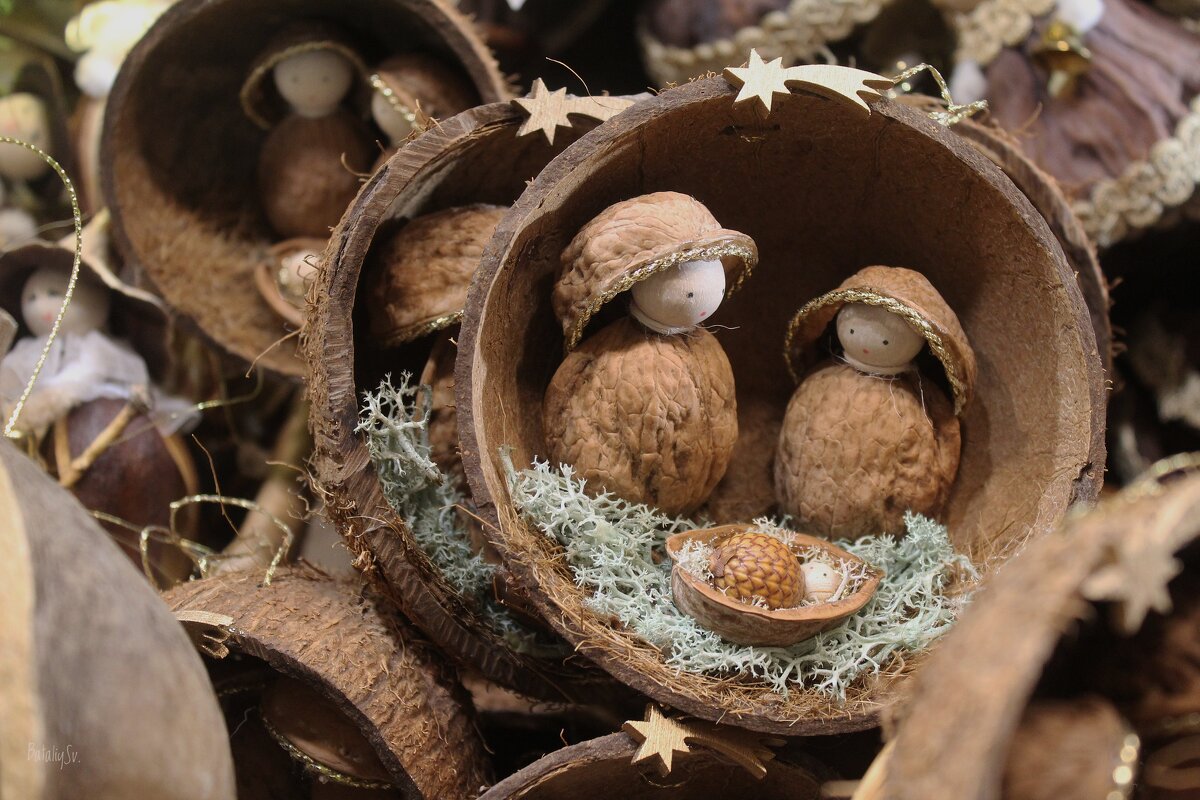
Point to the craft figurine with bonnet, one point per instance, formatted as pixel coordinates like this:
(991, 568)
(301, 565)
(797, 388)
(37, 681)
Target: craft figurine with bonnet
(284, 278)
(645, 408)
(866, 437)
(95, 417)
(309, 160)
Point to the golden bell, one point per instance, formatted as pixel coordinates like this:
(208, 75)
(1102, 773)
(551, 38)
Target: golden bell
(1062, 53)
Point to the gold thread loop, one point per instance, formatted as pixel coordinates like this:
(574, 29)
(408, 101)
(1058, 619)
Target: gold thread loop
(955, 112)
(10, 426)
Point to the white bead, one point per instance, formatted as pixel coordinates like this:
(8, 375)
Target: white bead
(42, 297)
(1082, 15)
(314, 82)
(875, 340)
(680, 298)
(820, 580)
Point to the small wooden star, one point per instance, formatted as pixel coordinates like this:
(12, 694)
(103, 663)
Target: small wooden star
(759, 79)
(1136, 579)
(209, 632)
(549, 110)
(662, 738)
(763, 80)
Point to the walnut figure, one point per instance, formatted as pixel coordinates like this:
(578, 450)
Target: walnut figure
(866, 437)
(645, 408)
(309, 164)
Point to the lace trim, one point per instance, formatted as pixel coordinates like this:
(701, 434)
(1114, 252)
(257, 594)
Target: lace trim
(798, 34)
(1148, 189)
(993, 25)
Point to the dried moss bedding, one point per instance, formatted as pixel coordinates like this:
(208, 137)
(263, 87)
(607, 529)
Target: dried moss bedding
(616, 552)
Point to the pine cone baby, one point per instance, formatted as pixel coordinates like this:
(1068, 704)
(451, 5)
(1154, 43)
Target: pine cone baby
(757, 566)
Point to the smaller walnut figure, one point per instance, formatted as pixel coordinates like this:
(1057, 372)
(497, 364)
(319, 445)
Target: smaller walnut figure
(645, 408)
(865, 437)
(306, 170)
(23, 116)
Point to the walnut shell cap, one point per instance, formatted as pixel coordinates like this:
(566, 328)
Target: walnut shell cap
(422, 88)
(259, 98)
(419, 277)
(905, 292)
(742, 623)
(634, 239)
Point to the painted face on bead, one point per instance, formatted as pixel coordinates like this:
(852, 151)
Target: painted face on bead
(314, 83)
(680, 298)
(42, 297)
(23, 116)
(877, 341)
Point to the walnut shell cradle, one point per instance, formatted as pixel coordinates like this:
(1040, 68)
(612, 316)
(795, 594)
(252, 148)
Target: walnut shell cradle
(179, 155)
(94, 666)
(849, 189)
(744, 623)
(472, 158)
(360, 657)
(1059, 618)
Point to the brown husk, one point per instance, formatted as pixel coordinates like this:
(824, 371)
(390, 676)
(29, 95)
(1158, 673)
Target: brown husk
(977, 239)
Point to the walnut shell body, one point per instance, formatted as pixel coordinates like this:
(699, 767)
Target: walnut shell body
(856, 451)
(756, 566)
(302, 181)
(648, 417)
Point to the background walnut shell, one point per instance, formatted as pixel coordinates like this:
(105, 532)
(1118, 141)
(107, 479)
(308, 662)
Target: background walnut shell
(417, 279)
(856, 451)
(650, 418)
(304, 185)
(420, 79)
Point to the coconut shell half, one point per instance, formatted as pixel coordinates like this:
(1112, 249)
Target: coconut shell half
(364, 660)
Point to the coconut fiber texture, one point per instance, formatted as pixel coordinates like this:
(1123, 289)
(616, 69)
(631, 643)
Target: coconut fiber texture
(367, 661)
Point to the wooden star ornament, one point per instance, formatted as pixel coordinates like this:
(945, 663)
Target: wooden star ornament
(662, 738)
(548, 111)
(760, 80)
(1136, 579)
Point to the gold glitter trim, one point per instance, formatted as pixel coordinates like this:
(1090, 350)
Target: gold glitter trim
(420, 329)
(748, 256)
(798, 34)
(1146, 190)
(258, 75)
(312, 764)
(993, 25)
(923, 326)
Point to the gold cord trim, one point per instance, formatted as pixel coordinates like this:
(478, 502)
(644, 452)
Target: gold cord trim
(324, 770)
(798, 34)
(412, 332)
